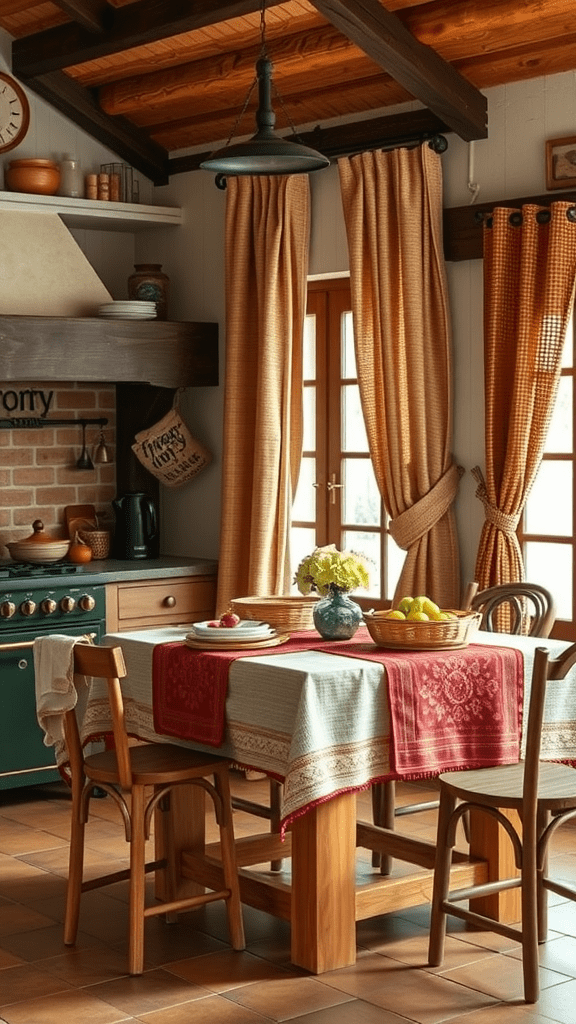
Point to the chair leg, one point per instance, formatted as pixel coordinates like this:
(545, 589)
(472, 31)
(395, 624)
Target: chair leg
(441, 881)
(275, 798)
(530, 923)
(229, 866)
(383, 814)
(75, 871)
(137, 882)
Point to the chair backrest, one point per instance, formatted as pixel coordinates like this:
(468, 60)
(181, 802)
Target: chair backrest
(101, 663)
(544, 670)
(514, 608)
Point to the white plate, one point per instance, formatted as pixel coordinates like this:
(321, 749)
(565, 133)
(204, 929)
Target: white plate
(246, 629)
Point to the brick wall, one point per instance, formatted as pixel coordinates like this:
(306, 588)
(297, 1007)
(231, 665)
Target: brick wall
(38, 473)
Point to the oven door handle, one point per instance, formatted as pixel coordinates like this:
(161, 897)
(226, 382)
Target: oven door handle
(30, 643)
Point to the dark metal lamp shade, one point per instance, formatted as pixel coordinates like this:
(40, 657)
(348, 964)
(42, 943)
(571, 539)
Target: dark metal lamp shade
(266, 152)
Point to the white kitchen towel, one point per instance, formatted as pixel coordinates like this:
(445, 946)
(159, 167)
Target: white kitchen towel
(54, 680)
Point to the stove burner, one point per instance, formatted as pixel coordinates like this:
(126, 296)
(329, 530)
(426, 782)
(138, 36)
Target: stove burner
(11, 570)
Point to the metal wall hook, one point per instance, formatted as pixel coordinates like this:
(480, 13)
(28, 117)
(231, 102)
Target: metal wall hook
(84, 462)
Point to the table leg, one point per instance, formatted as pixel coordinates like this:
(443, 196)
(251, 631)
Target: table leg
(185, 830)
(323, 919)
(489, 842)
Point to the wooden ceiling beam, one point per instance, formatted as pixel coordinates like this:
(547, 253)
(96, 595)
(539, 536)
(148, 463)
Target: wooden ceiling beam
(93, 15)
(426, 76)
(117, 134)
(137, 24)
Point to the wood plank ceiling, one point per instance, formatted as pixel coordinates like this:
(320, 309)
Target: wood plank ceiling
(153, 78)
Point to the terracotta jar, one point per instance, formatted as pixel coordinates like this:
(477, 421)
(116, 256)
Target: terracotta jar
(149, 284)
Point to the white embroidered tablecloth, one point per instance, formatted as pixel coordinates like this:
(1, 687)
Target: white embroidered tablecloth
(318, 721)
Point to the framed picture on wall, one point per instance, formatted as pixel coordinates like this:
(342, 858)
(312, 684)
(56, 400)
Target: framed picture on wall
(561, 163)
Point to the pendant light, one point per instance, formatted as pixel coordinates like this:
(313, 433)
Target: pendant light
(266, 152)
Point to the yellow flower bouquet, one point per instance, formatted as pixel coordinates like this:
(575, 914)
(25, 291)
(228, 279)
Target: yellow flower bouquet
(328, 570)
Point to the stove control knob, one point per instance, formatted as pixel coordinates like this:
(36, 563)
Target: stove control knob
(28, 607)
(67, 604)
(48, 606)
(87, 603)
(7, 609)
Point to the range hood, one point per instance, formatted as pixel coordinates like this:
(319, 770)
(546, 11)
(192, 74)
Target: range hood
(50, 331)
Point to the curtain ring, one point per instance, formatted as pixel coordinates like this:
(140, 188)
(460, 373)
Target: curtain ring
(438, 143)
(543, 216)
(571, 214)
(516, 218)
(220, 182)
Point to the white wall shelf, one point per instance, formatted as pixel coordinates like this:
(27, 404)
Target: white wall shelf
(91, 213)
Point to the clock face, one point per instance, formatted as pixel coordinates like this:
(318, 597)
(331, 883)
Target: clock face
(14, 113)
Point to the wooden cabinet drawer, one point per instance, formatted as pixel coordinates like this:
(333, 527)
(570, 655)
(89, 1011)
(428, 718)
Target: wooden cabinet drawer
(160, 602)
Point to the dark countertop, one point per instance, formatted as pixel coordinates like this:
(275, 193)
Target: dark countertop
(111, 570)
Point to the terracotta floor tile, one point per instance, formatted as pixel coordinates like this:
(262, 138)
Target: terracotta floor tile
(45, 943)
(74, 1006)
(27, 981)
(212, 1010)
(153, 990)
(287, 998)
(500, 977)
(418, 995)
(15, 918)
(228, 969)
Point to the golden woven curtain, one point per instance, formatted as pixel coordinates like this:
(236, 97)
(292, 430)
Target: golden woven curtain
(529, 275)
(393, 211)
(267, 238)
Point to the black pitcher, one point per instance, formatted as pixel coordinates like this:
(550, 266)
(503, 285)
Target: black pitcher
(136, 526)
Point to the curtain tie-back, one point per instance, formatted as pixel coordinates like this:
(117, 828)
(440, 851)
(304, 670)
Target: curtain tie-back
(417, 520)
(507, 522)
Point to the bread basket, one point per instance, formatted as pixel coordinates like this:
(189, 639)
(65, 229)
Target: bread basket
(98, 541)
(404, 634)
(283, 613)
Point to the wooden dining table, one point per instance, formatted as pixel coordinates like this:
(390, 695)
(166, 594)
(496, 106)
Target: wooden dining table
(319, 720)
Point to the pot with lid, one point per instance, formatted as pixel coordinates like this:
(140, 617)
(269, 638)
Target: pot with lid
(40, 547)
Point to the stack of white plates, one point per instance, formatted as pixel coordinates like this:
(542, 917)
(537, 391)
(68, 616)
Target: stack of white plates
(129, 310)
(245, 630)
(245, 635)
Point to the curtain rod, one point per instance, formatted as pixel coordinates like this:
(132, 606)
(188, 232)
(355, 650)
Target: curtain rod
(516, 217)
(32, 422)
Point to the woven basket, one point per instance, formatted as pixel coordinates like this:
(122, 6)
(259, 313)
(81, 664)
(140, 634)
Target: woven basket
(283, 613)
(98, 541)
(422, 636)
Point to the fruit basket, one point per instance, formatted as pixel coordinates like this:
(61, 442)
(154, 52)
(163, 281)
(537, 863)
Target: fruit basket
(422, 636)
(284, 613)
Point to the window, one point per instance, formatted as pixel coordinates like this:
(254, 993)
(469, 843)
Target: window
(337, 500)
(548, 533)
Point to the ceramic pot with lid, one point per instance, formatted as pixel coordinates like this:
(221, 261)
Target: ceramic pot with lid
(40, 547)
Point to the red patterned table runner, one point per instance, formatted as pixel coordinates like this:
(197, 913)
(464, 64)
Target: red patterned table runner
(189, 686)
(449, 709)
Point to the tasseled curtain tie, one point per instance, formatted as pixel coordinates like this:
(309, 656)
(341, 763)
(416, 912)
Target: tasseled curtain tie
(504, 521)
(419, 519)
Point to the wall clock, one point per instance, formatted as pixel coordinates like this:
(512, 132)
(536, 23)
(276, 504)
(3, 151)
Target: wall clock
(14, 113)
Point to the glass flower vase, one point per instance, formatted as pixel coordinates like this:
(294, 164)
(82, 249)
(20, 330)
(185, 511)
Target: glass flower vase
(337, 616)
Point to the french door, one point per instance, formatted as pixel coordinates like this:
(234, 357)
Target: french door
(337, 500)
(548, 530)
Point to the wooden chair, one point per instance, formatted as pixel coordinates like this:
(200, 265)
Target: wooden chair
(544, 795)
(529, 609)
(524, 608)
(139, 779)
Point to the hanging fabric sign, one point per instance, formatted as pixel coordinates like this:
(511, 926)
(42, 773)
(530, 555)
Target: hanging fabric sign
(169, 452)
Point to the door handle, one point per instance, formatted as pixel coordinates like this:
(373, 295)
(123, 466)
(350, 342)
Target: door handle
(333, 487)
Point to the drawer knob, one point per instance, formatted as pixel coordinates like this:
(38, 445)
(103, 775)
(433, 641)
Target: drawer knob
(169, 601)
